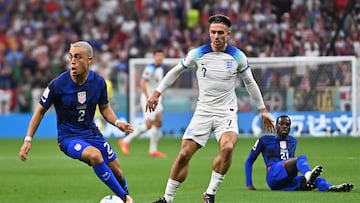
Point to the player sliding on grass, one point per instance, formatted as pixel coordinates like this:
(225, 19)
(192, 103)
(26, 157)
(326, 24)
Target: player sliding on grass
(282, 166)
(75, 95)
(218, 66)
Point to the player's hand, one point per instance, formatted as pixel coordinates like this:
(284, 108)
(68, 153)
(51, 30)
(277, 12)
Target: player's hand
(125, 127)
(267, 121)
(152, 101)
(24, 150)
(129, 199)
(251, 187)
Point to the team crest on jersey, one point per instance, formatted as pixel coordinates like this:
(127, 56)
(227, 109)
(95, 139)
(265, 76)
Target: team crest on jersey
(81, 96)
(282, 144)
(229, 65)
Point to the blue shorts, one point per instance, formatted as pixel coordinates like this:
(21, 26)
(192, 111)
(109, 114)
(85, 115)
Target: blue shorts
(73, 147)
(278, 179)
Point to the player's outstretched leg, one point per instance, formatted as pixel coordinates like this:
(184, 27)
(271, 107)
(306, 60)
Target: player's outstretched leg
(310, 178)
(345, 187)
(208, 198)
(155, 135)
(162, 200)
(124, 147)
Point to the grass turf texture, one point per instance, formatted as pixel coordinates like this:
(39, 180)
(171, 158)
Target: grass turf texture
(50, 176)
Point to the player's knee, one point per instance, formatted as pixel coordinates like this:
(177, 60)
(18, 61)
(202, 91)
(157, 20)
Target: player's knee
(93, 157)
(183, 157)
(158, 124)
(302, 157)
(227, 149)
(148, 125)
(96, 159)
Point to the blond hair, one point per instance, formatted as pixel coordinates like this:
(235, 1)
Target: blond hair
(85, 45)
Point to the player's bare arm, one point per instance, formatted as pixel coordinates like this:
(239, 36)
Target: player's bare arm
(109, 116)
(34, 124)
(124, 126)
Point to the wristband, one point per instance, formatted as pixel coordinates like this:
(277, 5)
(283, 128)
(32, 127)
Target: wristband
(117, 122)
(28, 138)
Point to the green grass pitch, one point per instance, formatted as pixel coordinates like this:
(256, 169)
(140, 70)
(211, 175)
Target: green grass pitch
(49, 176)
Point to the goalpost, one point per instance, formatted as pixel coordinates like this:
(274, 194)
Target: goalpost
(136, 67)
(322, 90)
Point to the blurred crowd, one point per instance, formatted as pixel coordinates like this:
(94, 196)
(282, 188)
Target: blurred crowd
(35, 35)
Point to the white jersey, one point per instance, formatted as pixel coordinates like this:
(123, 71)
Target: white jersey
(153, 75)
(217, 73)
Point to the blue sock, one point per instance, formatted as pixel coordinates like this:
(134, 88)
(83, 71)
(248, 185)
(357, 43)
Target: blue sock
(124, 185)
(107, 176)
(321, 184)
(302, 164)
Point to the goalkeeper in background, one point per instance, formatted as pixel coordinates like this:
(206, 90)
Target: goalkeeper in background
(282, 166)
(151, 76)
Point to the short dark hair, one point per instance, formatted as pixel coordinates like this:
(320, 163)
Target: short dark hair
(220, 19)
(282, 116)
(157, 50)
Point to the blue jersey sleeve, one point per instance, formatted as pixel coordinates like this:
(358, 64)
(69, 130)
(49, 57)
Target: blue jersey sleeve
(46, 99)
(104, 94)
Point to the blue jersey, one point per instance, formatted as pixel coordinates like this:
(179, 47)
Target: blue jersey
(273, 149)
(75, 104)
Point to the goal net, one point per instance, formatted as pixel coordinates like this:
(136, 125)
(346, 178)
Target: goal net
(320, 94)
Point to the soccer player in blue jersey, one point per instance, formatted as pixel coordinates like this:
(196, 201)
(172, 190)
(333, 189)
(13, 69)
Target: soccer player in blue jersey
(282, 166)
(75, 95)
(151, 76)
(218, 66)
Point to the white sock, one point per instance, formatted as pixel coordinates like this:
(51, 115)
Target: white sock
(215, 181)
(307, 175)
(154, 138)
(171, 188)
(135, 134)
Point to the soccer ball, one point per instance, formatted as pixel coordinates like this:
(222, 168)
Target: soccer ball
(111, 199)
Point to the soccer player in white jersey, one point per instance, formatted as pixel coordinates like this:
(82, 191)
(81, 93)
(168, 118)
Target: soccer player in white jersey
(151, 76)
(218, 65)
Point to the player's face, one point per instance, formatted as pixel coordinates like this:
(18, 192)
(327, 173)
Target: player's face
(79, 61)
(219, 33)
(158, 58)
(283, 126)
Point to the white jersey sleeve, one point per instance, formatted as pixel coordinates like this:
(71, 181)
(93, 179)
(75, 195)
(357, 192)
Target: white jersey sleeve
(252, 88)
(174, 73)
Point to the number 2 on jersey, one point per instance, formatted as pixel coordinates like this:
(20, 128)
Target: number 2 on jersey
(81, 115)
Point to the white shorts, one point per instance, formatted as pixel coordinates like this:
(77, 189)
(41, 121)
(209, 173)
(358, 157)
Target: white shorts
(201, 126)
(150, 115)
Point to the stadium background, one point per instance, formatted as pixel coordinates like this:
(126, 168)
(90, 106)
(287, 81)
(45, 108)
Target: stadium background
(35, 34)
